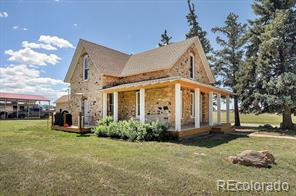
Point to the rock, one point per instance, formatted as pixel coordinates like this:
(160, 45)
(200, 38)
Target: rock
(233, 159)
(253, 158)
(269, 157)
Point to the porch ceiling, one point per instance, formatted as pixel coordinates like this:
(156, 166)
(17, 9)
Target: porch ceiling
(166, 82)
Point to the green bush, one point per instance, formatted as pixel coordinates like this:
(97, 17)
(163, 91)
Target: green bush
(132, 130)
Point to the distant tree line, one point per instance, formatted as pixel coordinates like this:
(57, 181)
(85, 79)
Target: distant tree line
(257, 60)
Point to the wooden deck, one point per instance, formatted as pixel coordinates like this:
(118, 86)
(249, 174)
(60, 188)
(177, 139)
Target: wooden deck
(72, 129)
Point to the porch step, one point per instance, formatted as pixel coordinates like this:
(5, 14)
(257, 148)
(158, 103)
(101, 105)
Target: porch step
(224, 128)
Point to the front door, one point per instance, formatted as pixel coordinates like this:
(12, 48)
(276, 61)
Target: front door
(85, 111)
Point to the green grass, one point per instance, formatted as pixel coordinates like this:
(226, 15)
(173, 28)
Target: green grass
(38, 161)
(262, 119)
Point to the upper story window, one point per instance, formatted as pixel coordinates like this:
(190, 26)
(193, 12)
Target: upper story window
(85, 67)
(191, 66)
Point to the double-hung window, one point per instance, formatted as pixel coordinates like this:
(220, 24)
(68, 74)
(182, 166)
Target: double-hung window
(137, 104)
(192, 104)
(110, 102)
(191, 66)
(85, 67)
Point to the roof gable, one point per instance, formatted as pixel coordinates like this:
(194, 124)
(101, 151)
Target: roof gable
(115, 63)
(106, 60)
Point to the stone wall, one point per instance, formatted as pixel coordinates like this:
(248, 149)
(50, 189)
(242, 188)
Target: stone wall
(182, 67)
(158, 105)
(186, 107)
(126, 105)
(111, 81)
(88, 89)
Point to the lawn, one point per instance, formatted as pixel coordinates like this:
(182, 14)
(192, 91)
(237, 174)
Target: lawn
(38, 161)
(261, 119)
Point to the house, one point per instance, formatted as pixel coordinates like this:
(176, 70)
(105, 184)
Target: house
(172, 84)
(62, 103)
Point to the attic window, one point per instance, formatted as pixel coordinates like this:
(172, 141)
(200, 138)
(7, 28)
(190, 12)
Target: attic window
(85, 67)
(191, 68)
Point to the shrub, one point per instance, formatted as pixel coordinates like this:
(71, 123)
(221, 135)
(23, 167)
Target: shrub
(131, 130)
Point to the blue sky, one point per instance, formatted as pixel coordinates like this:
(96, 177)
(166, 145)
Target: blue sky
(28, 29)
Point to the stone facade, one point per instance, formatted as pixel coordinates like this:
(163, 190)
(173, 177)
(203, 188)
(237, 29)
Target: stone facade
(86, 91)
(159, 102)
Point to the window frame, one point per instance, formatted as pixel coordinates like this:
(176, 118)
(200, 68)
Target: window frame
(85, 58)
(138, 104)
(192, 104)
(191, 69)
(110, 104)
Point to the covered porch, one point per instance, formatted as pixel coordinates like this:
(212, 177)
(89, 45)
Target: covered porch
(186, 106)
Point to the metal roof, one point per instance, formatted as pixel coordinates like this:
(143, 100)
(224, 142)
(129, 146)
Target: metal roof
(15, 96)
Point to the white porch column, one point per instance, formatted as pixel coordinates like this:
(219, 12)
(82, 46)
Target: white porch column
(211, 108)
(104, 104)
(178, 106)
(142, 105)
(219, 109)
(115, 107)
(227, 109)
(197, 107)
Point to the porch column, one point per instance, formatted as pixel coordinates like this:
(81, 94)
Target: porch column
(211, 108)
(178, 106)
(115, 101)
(104, 104)
(227, 109)
(142, 105)
(219, 109)
(197, 107)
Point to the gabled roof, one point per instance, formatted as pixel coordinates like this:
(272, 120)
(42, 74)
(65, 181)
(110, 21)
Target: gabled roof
(106, 60)
(14, 96)
(115, 63)
(63, 99)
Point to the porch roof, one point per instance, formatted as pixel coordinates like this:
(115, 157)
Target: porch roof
(165, 82)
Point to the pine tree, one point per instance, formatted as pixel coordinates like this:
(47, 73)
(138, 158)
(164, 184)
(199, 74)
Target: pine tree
(195, 29)
(228, 59)
(268, 83)
(165, 39)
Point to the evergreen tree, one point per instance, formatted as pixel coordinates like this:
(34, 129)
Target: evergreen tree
(268, 83)
(195, 29)
(228, 59)
(165, 39)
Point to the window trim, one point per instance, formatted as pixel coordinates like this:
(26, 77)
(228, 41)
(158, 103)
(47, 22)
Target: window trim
(192, 104)
(193, 66)
(83, 63)
(137, 104)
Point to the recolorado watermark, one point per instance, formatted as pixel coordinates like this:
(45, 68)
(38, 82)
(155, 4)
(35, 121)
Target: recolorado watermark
(252, 186)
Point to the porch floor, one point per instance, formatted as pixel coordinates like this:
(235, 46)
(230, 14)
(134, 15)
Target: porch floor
(72, 129)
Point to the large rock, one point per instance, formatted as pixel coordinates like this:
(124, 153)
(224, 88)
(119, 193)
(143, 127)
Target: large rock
(253, 158)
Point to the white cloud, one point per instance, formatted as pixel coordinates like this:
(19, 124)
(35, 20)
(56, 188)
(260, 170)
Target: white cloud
(56, 41)
(25, 29)
(15, 27)
(23, 79)
(3, 14)
(27, 44)
(75, 25)
(29, 56)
